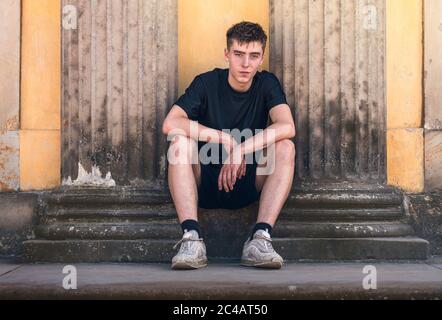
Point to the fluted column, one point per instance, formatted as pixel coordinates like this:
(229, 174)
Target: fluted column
(119, 79)
(329, 56)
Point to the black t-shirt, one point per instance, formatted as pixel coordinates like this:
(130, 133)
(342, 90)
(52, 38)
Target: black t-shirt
(212, 102)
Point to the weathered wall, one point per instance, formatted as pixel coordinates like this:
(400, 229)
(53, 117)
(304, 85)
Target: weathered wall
(329, 55)
(433, 95)
(202, 27)
(422, 147)
(18, 213)
(40, 88)
(119, 80)
(405, 155)
(13, 219)
(29, 120)
(40, 95)
(426, 214)
(10, 94)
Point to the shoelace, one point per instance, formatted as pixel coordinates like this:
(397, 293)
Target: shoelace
(185, 240)
(267, 242)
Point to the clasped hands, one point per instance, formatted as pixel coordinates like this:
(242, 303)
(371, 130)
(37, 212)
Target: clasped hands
(234, 166)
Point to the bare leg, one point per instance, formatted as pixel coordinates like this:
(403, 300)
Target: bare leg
(184, 177)
(276, 186)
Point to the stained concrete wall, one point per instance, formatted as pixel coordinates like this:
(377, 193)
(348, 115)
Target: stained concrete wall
(41, 89)
(330, 59)
(19, 147)
(10, 94)
(433, 95)
(17, 219)
(41, 107)
(119, 74)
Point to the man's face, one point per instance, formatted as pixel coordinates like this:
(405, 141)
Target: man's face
(244, 60)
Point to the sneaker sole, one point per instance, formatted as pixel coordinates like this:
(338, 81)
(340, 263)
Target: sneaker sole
(181, 265)
(263, 265)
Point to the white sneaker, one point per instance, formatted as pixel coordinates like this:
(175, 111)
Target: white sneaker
(259, 252)
(192, 253)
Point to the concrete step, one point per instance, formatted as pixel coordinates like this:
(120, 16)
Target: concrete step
(170, 229)
(334, 229)
(158, 212)
(68, 251)
(394, 248)
(167, 211)
(318, 249)
(108, 230)
(321, 198)
(344, 199)
(341, 222)
(156, 281)
(95, 196)
(293, 213)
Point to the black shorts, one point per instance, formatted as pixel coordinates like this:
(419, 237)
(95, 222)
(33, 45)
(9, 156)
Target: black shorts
(243, 194)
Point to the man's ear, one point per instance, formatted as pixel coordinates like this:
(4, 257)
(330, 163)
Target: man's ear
(226, 52)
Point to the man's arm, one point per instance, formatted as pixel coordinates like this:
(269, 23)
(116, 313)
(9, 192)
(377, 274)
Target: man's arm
(283, 127)
(178, 123)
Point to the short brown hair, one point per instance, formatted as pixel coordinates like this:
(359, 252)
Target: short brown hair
(245, 32)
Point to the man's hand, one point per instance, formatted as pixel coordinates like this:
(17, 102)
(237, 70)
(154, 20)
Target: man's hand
(242, 169)
(233, 168)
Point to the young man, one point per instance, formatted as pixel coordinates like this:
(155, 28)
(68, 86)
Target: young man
(238, 98)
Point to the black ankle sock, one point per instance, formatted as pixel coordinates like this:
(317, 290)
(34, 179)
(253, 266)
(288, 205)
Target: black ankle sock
(188, 225)
(261, 226)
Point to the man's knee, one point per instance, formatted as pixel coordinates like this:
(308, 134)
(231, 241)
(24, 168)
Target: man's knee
(182, 148)
(285, 150)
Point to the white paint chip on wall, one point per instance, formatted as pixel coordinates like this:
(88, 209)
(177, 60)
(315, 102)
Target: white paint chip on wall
(93, 178)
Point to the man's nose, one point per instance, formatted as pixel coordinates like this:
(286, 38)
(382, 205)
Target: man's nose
(245, 61)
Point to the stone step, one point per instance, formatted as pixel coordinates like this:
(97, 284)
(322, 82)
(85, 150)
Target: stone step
(222, 281)
(394, 248)
(109, 230)
(158, 212)
(342, 214)
(93, 196)
(323, 198)
(124, 203)
(68, 251)
(292, 249)
(140, 225)
(162, 212)
(342, 229)
(344, 199)
(172, 230)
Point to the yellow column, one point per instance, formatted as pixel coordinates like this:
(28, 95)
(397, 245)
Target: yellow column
(40, 95)
(202, 27)
(405, 144)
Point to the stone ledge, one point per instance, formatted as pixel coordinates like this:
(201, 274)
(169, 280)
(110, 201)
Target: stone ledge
(224, 281)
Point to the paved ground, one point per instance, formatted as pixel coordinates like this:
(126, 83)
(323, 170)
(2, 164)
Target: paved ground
(412, 280)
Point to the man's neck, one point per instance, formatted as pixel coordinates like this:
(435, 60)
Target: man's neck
(238, 86)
